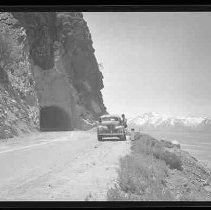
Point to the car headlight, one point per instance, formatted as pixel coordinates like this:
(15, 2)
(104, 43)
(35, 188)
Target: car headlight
(119, 128)
(101, 128)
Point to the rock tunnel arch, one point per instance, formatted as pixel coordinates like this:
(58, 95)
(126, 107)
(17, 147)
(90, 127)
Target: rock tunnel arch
(54, 118)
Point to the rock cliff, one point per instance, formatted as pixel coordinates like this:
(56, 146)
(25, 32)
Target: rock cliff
(49, 75)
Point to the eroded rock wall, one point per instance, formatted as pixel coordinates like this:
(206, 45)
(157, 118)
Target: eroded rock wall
(50, 63)
(19, 109)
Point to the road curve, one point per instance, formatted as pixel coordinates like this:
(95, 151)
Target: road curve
(69, 165)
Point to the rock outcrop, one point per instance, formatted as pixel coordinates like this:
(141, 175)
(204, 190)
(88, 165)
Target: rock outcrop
(50, 78)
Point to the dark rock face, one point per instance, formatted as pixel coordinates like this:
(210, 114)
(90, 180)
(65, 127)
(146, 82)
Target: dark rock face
(41, 34)
(83, 70)
(47, 60)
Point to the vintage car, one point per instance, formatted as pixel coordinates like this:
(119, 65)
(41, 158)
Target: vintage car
(111, 126)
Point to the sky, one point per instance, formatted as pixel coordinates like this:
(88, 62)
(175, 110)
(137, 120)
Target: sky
(154, 61)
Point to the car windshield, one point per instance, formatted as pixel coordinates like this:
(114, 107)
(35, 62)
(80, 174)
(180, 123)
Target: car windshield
(110, 119)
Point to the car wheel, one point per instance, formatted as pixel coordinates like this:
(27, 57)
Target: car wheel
(122, 138)
(99, 138)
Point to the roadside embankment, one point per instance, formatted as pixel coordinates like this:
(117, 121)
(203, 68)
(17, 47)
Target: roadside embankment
(162, 171)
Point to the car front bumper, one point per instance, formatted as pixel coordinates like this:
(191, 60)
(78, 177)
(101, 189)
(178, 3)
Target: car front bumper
(111, 134)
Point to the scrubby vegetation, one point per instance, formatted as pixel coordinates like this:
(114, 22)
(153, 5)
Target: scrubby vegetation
(146, 174)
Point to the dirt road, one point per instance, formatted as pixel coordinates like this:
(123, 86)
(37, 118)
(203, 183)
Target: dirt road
(59, 166)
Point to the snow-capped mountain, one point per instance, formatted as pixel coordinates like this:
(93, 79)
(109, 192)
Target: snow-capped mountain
(157, 121)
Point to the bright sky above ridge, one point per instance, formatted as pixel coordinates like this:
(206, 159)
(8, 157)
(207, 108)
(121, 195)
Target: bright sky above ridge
(154, 62)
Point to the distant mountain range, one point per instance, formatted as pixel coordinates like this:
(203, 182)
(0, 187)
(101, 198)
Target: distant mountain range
(154, 121)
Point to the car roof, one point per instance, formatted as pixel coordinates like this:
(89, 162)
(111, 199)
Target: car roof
(110, 115)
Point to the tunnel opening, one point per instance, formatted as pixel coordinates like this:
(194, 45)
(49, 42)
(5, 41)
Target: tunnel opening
(53, 118)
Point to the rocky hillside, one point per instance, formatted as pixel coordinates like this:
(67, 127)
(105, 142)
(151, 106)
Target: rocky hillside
(157, 121)
(49, 75)
(160, 171)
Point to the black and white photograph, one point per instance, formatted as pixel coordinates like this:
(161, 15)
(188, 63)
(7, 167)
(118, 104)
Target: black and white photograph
(105, 106)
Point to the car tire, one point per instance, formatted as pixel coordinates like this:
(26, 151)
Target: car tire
(123, 138)
(99, 138)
